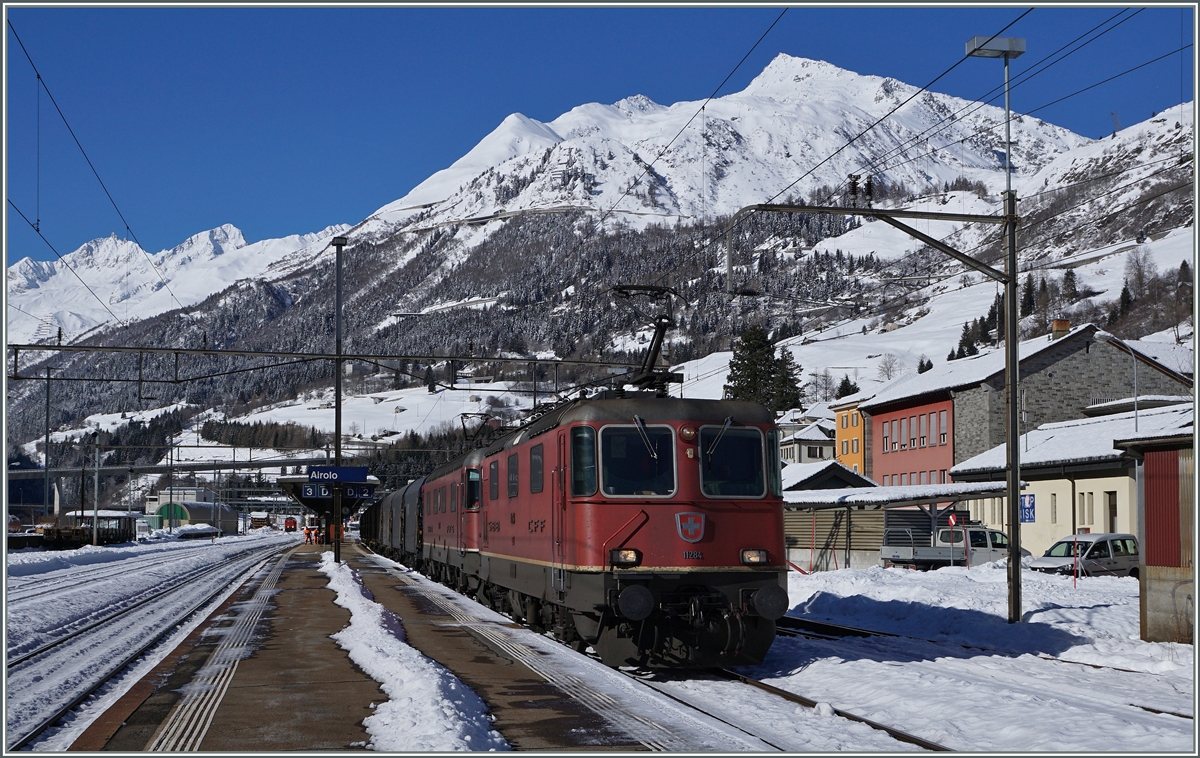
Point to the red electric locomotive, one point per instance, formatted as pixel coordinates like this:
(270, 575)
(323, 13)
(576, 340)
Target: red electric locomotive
(648, 527)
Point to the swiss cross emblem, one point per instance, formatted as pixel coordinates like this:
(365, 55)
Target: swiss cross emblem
(690, 526)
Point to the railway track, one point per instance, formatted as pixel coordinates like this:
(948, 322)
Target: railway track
(104, 613)
(21, 589)
(45, 685)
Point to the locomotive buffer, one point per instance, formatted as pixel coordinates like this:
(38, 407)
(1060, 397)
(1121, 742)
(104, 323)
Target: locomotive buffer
(333, 493)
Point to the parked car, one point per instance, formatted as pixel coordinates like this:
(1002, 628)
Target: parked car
(1091, 555)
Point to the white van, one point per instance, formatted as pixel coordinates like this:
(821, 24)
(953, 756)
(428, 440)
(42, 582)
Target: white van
(1091, 555)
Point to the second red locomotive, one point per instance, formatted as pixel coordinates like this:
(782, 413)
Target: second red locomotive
(649, 528)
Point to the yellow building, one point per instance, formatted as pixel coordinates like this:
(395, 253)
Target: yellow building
(851, 448)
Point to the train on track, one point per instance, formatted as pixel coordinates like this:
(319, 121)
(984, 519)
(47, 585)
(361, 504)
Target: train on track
(647, 527)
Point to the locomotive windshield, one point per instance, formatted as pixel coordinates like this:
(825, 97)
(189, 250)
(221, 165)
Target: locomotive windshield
(637, 460)
(731, 462)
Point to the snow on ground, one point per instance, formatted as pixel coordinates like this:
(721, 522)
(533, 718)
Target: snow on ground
(430, 709)
(1001, 695)
(972, 682)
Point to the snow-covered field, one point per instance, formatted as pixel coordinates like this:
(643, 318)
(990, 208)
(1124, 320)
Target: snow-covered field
(1072, 677)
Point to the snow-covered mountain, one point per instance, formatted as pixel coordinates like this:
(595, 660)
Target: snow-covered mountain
(745, 148)
(49, 295)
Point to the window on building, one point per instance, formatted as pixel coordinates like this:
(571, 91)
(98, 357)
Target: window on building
(854, 445)
(1091, 500)
(814, 452)
(1053, 508)
(923, 434)
(903, 479)
(845, 447)
(923, 480)
(903, 433)
(942, 426)
(856, 468)
(854, 419)
(912, 431)
(844, 418)
(1081, 513)
(942, 477)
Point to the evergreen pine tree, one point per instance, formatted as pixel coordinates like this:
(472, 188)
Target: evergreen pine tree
(1027, 297)
(951, 356)
(430, 382)
(1070, 286)
(785, 382)
(845, 387)
(751, 367)
(1185, 274)
(1126, 299)
(924, 364)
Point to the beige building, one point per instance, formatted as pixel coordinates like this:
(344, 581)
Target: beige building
(1078, 481)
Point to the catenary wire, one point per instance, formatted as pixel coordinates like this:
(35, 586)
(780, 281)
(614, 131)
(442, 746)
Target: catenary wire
(92, 167)
(662, 152)
(64, 262)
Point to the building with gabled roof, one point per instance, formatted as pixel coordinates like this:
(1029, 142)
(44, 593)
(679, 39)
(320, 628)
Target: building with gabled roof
(919, 428)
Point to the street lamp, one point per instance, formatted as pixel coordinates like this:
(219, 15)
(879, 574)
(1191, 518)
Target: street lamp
(1008, 48)
(1109, 337)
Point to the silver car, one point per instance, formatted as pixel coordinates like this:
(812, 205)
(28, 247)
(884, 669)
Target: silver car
(1091, 555)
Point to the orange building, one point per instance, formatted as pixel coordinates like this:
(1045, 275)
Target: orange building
(851, 447)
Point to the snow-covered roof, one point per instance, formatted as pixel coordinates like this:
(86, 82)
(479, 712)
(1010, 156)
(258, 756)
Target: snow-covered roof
(1174, 356)
(1088, 440)
(878, 497)
(104, 513)
(812, 433)
(795, 474)
(962, 372)
(1145, 402)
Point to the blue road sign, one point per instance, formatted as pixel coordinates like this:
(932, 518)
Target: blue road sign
(1027, 509)
(337, 473)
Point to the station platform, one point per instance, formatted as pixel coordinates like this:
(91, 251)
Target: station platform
(262, 674)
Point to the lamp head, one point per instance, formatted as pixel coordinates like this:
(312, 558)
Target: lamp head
(340, 242)
(995, 47)
(1103, 336)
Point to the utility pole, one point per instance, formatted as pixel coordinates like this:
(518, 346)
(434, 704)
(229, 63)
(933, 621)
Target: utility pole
(46, 448)
(336, 517)
(96, 491)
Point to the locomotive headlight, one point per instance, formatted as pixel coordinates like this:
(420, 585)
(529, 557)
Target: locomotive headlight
(687, 433)
(625, 557)
(754, 556)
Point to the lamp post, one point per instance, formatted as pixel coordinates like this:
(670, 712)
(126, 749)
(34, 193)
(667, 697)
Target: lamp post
(1008, 48)
(330, 532)
(1109, 337)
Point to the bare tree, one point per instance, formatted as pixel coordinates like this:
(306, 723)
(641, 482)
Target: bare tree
(1140, 270)
(890, 366)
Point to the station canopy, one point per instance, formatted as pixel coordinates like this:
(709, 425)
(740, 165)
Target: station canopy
(872, 498)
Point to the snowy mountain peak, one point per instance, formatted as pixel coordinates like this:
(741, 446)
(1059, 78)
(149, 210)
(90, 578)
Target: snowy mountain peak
(637, 104)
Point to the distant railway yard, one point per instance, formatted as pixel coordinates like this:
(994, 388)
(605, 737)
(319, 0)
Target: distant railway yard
(244, 643)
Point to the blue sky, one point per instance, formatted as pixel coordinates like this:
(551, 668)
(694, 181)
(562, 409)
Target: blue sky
(287, 120)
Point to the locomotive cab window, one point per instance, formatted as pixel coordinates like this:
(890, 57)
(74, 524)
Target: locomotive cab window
(583, 461)
(473, 490)
(494, 480)
(637, 460)
(731, 462)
